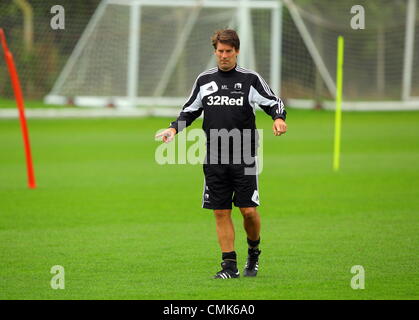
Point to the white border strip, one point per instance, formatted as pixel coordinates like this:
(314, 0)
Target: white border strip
(358, 105)
(193, 3)
(118, 102)
(62, 113)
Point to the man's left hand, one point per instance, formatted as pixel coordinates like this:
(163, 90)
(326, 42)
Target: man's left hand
(279, 127)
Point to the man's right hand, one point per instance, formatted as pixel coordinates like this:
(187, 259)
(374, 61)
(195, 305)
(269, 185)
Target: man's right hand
(167, 134)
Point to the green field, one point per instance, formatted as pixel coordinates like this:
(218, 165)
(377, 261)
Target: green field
(124, 227)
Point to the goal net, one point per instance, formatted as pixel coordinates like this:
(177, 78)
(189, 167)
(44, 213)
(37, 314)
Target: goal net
(381, 61)
(149, 52)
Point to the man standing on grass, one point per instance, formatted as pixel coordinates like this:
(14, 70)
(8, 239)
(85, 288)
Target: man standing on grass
(228, 95)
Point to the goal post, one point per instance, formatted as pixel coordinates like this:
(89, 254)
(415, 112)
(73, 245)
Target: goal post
(409, 50)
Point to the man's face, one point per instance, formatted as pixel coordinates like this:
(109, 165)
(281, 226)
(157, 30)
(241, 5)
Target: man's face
(226, 56)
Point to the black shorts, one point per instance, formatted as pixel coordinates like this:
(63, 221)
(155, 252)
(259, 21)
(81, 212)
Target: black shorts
(226, 184)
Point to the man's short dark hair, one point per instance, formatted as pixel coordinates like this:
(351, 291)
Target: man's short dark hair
(226, 36)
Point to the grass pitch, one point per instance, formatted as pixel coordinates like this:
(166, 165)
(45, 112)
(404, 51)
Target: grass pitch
(124, 227)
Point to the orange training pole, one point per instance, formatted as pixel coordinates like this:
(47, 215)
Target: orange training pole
(20, 105)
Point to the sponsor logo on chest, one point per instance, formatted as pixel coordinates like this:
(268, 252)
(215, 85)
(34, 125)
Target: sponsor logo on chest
(224, 101)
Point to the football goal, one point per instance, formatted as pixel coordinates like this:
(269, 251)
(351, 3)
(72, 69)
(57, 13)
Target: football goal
(147, 53)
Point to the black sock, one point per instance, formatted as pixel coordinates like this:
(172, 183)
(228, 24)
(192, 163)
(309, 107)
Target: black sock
(229, 256)
(253, 244)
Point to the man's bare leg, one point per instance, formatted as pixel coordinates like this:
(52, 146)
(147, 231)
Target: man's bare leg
(251, 222)
(225, 233)
(225, 229)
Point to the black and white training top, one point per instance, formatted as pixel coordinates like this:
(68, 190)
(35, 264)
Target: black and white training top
(228, 100)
